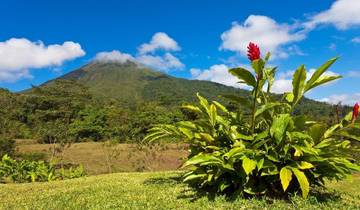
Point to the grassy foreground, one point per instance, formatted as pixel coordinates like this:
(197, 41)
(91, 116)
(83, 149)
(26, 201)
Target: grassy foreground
(156, 190)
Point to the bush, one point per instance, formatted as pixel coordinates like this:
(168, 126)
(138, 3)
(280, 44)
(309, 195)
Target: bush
(269, 151)
(34, 171)
(7, 146)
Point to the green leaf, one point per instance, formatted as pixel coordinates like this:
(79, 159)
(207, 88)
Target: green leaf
(305, 165)
(289, 97)
(201, 158)
(248, 165)
(317, 132)
(212, 114)
(266, 107)
(258, 66)
(318, 73)
(267, 56)
(303, 181)
(285, 177)
(323, 80)
(299, 83)
(192, 108)
(260, 164)
(244, 75)
(207, 137)
(279, 127)
(193, 177)
(203, 102)
(221, 107)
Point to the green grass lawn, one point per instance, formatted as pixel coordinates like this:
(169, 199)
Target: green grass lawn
(157, 190)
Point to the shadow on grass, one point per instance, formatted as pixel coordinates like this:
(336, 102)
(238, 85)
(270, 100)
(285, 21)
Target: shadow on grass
(317, 196)
(163, 181)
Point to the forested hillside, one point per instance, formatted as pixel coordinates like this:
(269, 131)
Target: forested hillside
(113, 100)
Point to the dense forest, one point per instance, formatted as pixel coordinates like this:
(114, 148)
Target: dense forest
(115, 101)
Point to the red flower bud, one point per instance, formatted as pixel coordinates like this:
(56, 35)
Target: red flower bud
(355, 112)
(253, 52)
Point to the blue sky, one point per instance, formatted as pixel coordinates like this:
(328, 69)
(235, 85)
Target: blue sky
(40, 40)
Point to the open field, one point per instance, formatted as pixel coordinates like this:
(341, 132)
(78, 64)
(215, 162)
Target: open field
(157, 190)
(99, 159)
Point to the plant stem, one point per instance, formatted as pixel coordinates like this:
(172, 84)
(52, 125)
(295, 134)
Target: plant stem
(254, 107)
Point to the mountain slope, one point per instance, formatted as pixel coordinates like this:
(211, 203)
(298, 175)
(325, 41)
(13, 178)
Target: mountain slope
(130, 83)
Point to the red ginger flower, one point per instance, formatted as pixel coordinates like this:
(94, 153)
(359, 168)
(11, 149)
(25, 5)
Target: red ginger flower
(355, 112)
(253, 51)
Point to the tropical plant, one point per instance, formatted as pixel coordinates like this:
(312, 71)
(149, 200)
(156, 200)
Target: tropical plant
(34, 171)
(270, 151)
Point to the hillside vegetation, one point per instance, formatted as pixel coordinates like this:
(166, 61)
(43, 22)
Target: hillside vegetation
(114, 101)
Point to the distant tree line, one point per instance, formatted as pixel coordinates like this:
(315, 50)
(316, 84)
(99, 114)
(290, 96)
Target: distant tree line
(67, 111)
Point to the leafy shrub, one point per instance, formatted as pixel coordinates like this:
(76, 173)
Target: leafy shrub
(7, 146)
(34, 171)
(270, 151)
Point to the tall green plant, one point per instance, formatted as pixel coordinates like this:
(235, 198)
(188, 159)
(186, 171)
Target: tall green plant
(269, 151)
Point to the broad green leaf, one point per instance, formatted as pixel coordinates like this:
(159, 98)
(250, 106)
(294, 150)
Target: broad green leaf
(186, 132)
(244, 75)
(207, 137)
(270, 74)
(203, 102)
(201, 158)
(258, 66)
(193, 177)
(186, 124)
(285, 177)
(192, 108)
(323, 80)
(266, 107)
(298, 83)
(248, 165)
(212, 114)
(317, 132)
(289, 97)
(221, 107)
(318, 73)
(303, 181)
(300, 122)
(260, 164)
(305, 165)
(279, 126)
(329, 132)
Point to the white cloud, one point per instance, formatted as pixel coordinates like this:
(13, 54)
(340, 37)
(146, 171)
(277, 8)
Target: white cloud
(195, 72)
(160, 40)
(146, 54)
(219, 74)
(348, 99)
(356, 40)
(353, 74)
(20, 55)
(114, 56)
(343, 14)
(162, 63)
(266, 32)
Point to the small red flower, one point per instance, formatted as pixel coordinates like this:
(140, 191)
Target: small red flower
(253, 51)
(355, 112)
